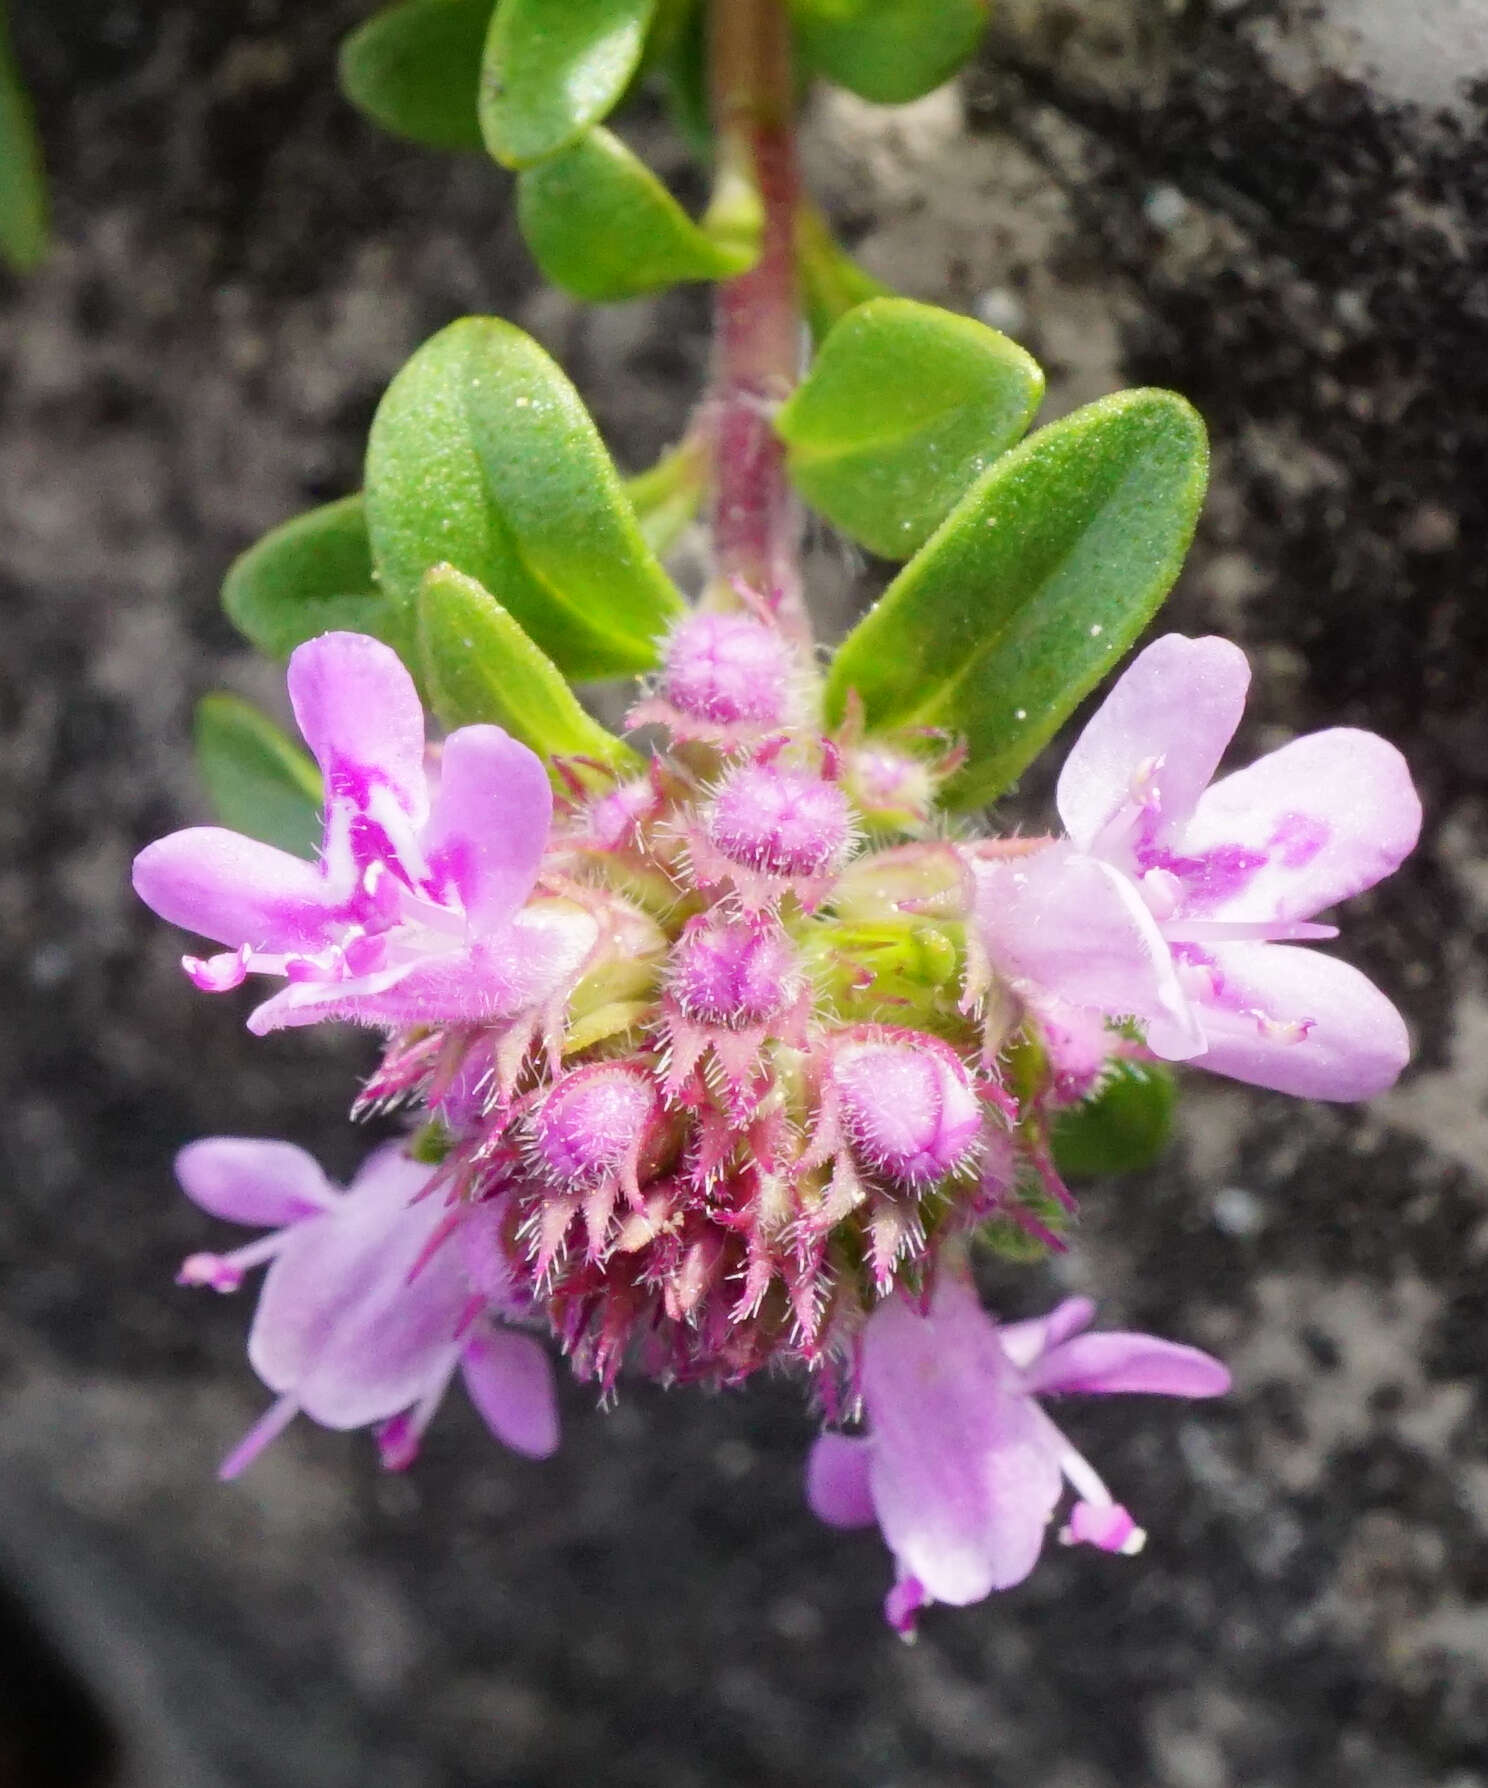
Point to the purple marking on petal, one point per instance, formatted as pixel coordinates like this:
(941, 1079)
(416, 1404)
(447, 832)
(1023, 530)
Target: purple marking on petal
(1219, 875)
(361, 717)
(1297, 839)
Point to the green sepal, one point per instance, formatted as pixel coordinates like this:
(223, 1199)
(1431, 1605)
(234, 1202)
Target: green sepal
(889, 51)
(483, 456)
(904, 407)
(482, 668)
(259, 782)
(602, 226)
(1123, 1128)
(414, 68)
(23, 194)
(832, 282)
(667, 496)
(1033, 587)
(551, 72)
(308, 576)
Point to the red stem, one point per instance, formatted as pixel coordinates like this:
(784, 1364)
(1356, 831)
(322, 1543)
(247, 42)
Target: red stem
(756, 523)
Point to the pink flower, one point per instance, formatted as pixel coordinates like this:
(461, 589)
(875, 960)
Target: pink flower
(366, 1311)
(415, 912)
(1179, 904)
(960, 1467)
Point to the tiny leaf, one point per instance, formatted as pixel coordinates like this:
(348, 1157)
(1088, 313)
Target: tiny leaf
(602, 226)
(1123, 1128)
(483, 457)
(905, 406)
(258, 781)
(1033, 586)
(482, 668)
(667, 495)
(889, 51)
(414, 68)
(832, 282)
(551, 72)
(305, 577)
(23, 199)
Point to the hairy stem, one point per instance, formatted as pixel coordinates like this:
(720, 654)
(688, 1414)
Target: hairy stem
(757, 349)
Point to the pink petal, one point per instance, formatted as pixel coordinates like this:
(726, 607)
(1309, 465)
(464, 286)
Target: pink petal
(343, 1321)
(490, 822)
(1075, 927)
(837, 1488)
(361, 717)
(235, 890)
(1095, 1365)
(1026, 1342)
(510, 1380)
(1323, 818)
(1300, 1022)
(1157, 738)
(963, 1479)
(247, 1180)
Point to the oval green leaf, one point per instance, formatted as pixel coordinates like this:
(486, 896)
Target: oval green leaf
(1033, 586)
(415, 68)
(482, 667)
(905, 406)
(482, 456)
(257, 780)
(305, 577)
(889, 51)
(602, 226)
(551, 72)
(23, 199)
(1122, 1129)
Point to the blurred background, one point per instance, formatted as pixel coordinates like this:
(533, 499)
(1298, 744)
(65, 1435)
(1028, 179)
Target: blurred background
(1282, 210)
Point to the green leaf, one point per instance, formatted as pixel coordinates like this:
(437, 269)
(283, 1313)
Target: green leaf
(602, 226)
(551, 72)
(890, 51)
(667, 496)
(905, 406)
(832, 282)
(1124, 1128)
(482, 456)
(305, 577)
(483, 668)
(258, 781)
(23, 198)
(1033, 586)
(414, 68)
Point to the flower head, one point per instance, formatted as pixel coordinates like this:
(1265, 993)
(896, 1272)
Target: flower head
(960, 1467)
(1180, 904)
(419, 908)
(366, 1311)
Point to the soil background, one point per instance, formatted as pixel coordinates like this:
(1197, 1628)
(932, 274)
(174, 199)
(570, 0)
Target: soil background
(1217, 197)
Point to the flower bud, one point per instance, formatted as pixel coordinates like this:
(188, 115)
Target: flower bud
(892, 789)
(908, 1106)
(736, 974)
(728, 668)
(591, 1126)
(780, 821)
